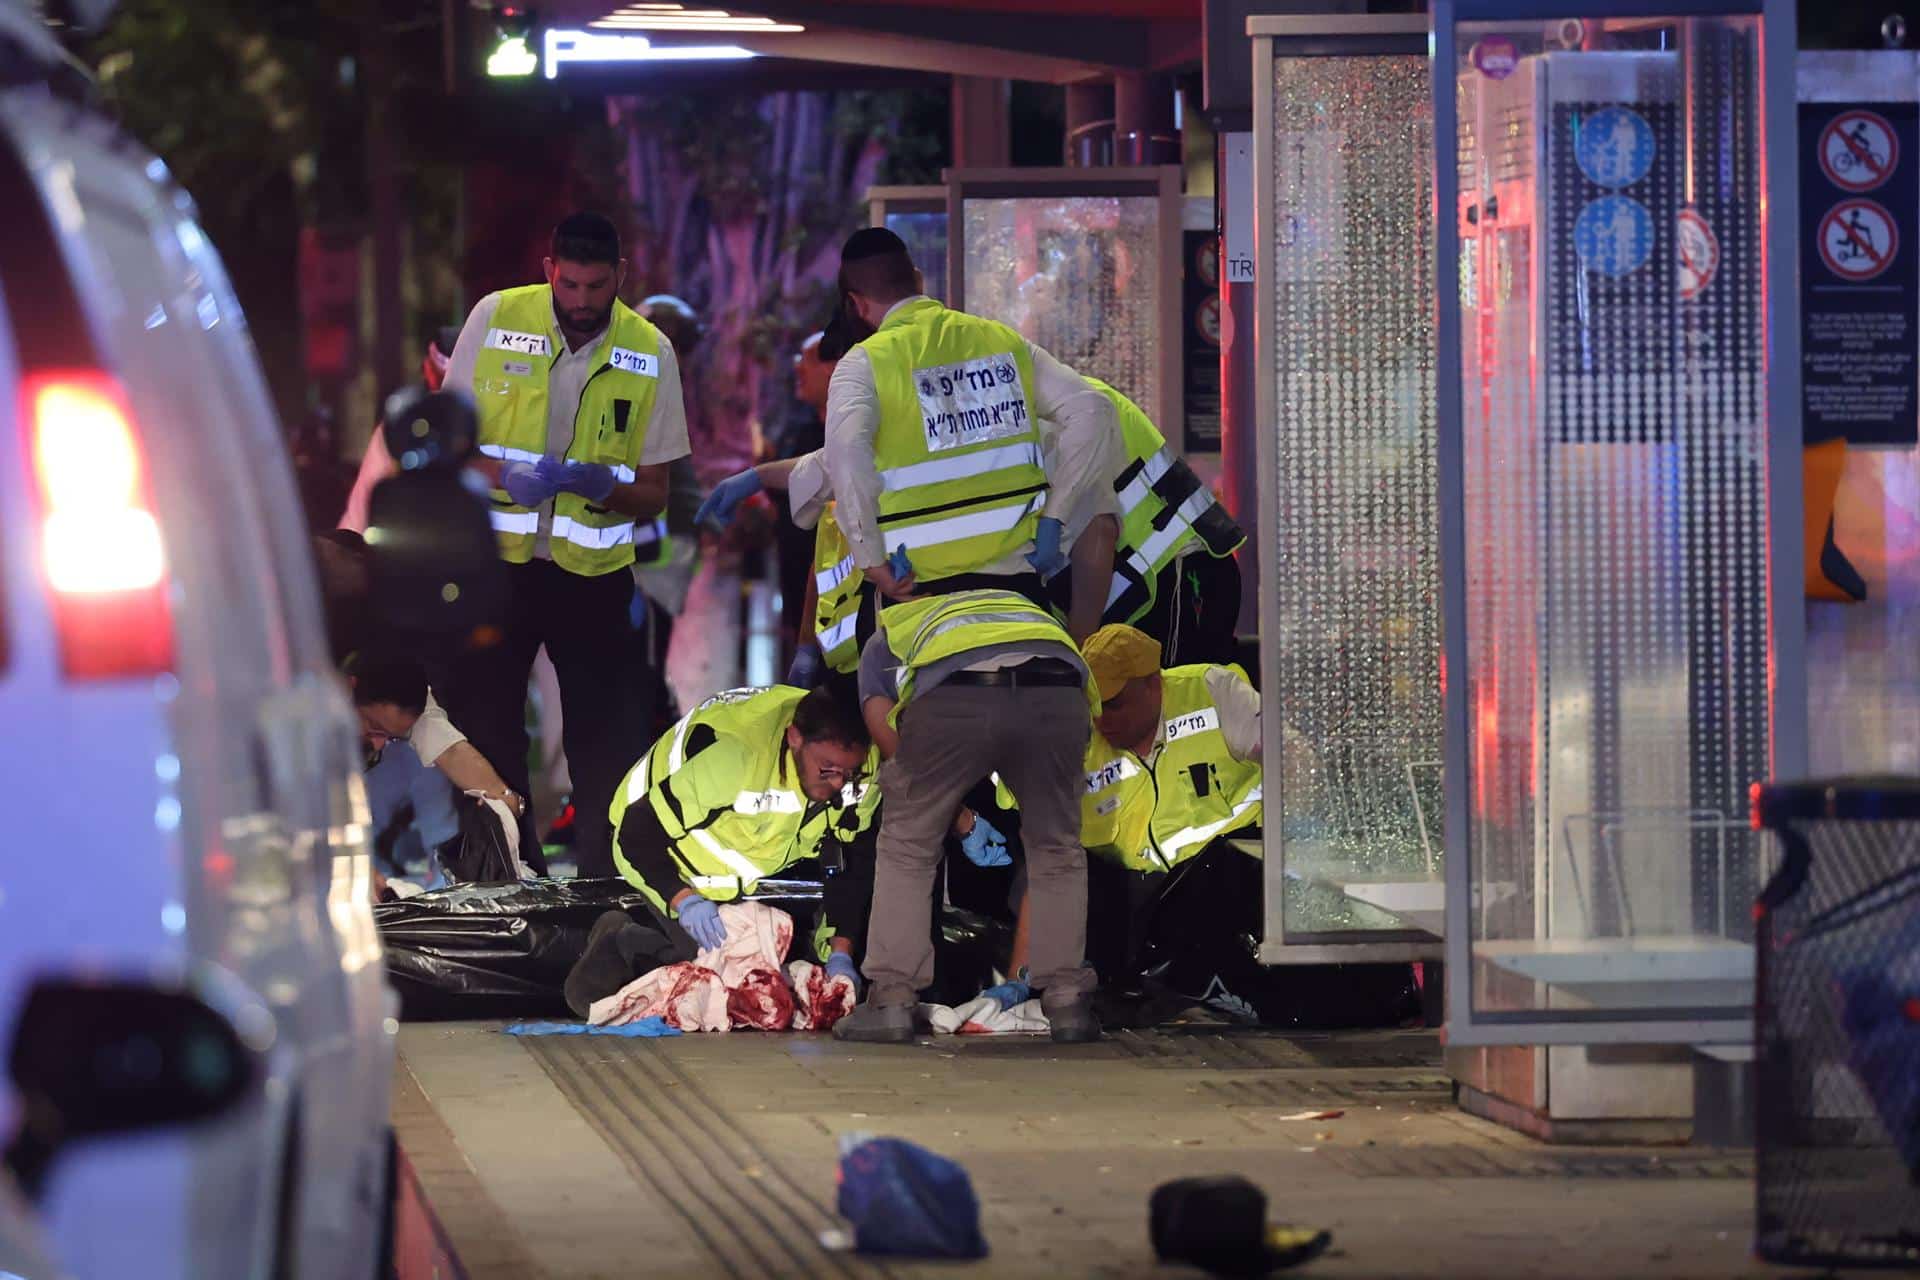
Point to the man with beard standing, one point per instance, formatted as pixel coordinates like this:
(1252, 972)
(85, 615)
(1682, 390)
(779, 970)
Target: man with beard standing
(580, 412)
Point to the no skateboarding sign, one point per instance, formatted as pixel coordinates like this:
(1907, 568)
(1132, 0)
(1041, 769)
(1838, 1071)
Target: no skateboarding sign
(1858, 240)
(1858, 150)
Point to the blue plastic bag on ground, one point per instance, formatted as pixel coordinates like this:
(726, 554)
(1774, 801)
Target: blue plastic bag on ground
(645, 1027)
(905, 1201)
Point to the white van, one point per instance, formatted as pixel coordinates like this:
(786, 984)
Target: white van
(180, 765)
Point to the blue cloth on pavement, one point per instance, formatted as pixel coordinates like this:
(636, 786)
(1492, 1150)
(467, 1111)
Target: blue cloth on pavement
(645, 1027)
(905, 1201)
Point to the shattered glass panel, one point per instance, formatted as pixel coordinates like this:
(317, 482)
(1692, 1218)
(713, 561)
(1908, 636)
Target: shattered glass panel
(925, 235)
(1614, 431)
(1354, 668)
(1079, 276)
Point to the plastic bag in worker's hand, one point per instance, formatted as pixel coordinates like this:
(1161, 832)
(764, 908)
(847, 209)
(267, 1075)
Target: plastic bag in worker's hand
(905, 1201)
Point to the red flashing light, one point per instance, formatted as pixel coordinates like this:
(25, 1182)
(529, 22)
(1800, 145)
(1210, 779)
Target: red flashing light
(101, 556)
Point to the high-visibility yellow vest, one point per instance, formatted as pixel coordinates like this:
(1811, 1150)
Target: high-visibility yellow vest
(836, 585)
(733, 807)
(958, 446)
(510, 382)
(1164, 509)
(1198, 790)
(930, 629)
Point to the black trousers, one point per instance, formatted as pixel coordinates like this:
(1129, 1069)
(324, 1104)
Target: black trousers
(604, 687)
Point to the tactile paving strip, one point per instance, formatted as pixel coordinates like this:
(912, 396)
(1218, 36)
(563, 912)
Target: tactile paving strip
(752, 1217)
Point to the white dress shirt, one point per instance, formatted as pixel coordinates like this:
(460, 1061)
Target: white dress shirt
(1081, 453)
(666, 427)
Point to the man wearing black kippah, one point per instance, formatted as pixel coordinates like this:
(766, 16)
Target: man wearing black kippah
(935, 444)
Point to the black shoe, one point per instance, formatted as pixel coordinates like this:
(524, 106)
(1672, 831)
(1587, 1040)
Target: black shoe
(603, 968)
(1072, 1023)
(876, 1024)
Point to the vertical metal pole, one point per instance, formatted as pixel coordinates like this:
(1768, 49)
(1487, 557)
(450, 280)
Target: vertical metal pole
(1240, 421)
(1451, 458)
(1786, 587)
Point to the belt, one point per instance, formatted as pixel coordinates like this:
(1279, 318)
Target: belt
(1035, 673)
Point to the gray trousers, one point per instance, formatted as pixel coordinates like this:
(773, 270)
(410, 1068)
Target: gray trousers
(950, 738)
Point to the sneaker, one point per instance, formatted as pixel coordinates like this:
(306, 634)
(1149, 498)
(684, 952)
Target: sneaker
(1072, 1023)
(603, 967)
(877, 1024)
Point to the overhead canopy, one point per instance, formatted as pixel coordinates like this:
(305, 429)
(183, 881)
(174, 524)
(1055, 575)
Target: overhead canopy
(1052, 41)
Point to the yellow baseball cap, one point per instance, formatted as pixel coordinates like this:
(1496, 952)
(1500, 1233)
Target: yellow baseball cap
(1118, 653)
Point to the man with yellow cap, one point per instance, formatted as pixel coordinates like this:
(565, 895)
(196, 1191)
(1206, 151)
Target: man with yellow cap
(1171, 771)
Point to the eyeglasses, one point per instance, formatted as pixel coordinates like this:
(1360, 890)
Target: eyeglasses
(845, 777)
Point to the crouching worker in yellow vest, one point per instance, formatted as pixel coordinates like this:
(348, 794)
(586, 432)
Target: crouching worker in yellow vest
(746, 785)
(1172, 770)
(981, 681)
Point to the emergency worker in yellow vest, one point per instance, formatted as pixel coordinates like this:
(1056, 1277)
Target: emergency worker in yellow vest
(836, 604)
(1174, 572)
(983, 681)
(743, 787)
(1176, 770)
(580, 412)
(942, 480)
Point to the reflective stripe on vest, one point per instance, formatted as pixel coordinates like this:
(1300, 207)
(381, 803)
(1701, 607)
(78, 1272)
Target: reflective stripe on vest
(958, 445)
(827, 579)
(839, 633)
(511, 393)
(1147, 559)
(838, 587)
(621, 471)
(972, 525)
(1200, 790)
(1174, 844)
(527, 522)
(752, 819)
(1159, 518)
(929, 629)
(939, 469)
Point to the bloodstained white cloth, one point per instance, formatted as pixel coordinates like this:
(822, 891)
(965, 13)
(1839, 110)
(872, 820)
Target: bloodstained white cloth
(737, 984)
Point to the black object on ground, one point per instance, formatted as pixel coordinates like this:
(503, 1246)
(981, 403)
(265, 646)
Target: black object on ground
(1219, 1224)
(1837, 1025)
(504, 950)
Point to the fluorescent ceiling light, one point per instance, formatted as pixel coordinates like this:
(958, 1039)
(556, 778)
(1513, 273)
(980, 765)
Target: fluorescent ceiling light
(674, 22)
(596, 48)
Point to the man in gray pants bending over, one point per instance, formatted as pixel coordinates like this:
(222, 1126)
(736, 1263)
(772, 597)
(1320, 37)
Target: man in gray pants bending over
(985, 681)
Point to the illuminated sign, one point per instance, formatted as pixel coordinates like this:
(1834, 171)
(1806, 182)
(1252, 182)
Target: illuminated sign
(512, 58)
(596, 48)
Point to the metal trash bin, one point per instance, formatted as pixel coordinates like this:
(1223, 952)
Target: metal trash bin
(1837, 1025)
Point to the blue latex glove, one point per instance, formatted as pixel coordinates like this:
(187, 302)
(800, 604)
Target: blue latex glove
(901, 566)
(840, 965)
(1009, 993)
(637, 610)
(526, 483)
(718, 508)
(1046, 557)
(806, 667)
(701, 918)
(985, 846)
(593, 481)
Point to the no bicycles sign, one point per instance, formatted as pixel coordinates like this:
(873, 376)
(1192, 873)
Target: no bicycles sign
(1858, 150)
